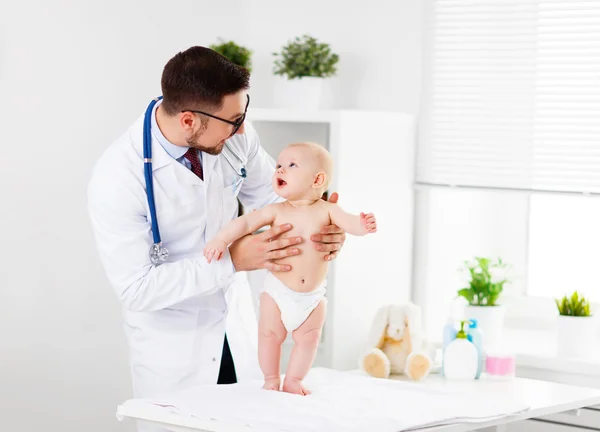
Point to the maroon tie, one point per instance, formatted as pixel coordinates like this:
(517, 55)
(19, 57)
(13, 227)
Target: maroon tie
(192, 156)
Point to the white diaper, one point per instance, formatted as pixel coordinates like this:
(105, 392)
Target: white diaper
(295, 306)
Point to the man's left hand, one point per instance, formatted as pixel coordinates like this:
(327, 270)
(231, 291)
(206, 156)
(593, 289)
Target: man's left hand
(331, 238)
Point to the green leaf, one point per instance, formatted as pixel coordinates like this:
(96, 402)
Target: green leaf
(573, 305)
(468, 294)
(235, 53)
(305, 57)
(482, 290)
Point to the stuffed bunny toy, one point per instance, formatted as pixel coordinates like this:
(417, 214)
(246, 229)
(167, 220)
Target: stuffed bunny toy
(395, 344)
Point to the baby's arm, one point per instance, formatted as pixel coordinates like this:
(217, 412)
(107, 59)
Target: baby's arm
(238, 228)
(357, 225)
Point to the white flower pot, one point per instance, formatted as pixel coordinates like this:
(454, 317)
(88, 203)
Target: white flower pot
(576, 336)
(299, 93)
(490, 320)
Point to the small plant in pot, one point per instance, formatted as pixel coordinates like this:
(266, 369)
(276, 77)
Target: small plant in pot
(486, 279)
(235, 53)
(576, 326)
(305, 63)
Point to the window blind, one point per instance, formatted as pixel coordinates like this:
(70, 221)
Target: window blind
(511, 95)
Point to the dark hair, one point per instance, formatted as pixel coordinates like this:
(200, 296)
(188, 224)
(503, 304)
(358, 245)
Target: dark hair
(199, 78)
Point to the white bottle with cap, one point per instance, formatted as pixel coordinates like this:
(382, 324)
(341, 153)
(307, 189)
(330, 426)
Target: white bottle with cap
(461, 359)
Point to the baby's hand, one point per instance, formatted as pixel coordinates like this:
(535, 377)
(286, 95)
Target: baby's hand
(214, 249)
(368, 223)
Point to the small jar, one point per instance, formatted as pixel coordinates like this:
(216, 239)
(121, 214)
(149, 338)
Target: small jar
(500, 364)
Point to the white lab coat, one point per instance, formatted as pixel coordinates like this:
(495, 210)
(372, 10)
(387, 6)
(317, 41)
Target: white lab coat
(176, 313)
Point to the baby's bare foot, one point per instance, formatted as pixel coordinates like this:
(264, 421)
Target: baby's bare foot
(292, 385)
(272, 384)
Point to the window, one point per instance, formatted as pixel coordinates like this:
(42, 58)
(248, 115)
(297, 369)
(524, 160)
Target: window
(512, 95)
(452, 226)
(510, 109)
(564, 246)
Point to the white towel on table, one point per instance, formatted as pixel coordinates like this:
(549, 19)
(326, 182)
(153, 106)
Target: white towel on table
(339, 401)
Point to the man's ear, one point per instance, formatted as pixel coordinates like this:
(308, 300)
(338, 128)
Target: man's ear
(319, 180)
(187, 120)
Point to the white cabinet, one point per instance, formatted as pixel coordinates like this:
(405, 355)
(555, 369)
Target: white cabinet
(586, 419)
(543, 426)
(373, 153)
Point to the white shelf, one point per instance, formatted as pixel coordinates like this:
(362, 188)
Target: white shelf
(295, 116)
(537, 349)
(316, 116)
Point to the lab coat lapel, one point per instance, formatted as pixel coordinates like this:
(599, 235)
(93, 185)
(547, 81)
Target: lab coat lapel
(160, 157)
(214, 195)
(208, 165)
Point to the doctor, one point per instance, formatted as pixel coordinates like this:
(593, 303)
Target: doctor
(187, 321)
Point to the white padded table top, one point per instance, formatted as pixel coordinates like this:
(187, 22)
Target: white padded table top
(340, 401)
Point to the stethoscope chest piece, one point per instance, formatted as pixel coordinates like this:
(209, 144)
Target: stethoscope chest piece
(158, 253)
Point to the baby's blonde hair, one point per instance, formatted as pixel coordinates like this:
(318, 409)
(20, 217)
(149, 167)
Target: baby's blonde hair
(323, 159)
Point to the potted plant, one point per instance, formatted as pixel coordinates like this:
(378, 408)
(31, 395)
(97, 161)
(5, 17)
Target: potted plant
(486, 279)
(303, 64)
(235, 53)
(576, 328)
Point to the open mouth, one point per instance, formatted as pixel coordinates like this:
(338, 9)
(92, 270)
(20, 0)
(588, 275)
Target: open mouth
(281, 182)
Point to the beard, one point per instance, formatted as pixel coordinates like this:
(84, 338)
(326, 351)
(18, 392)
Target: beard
(194, 142)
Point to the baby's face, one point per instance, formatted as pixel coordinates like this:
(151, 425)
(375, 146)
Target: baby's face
(295, 173)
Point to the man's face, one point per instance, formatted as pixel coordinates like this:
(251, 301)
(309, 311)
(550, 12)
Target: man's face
(210, 137)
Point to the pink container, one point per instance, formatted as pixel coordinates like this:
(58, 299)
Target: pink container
(500, 365)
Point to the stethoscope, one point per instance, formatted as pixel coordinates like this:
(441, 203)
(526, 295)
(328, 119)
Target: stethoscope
(158, 253)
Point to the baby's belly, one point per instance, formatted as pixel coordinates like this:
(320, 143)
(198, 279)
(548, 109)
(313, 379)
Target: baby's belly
(309, 269)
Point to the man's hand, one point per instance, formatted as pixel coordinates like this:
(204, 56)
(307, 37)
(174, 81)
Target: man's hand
(258, 251)
(331, 238)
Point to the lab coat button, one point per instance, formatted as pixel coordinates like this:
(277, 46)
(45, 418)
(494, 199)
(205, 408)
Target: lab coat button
(214, 359)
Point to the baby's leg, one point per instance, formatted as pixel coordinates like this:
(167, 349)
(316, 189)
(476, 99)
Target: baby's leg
(306, 341)
(271, 334)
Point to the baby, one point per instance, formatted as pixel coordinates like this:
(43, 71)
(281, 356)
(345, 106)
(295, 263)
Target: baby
(294, 301)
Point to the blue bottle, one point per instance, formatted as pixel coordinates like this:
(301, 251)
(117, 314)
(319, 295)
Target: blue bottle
(450, 332)
(476, 337)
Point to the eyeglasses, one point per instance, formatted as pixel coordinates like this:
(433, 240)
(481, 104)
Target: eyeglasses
(236, 124)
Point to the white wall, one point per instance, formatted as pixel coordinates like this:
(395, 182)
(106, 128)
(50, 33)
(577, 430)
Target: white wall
(73, 75)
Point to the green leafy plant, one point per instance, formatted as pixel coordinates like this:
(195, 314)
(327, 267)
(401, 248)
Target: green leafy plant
(486, 281)
(575, 305)
(305, 56)
(235, 53)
